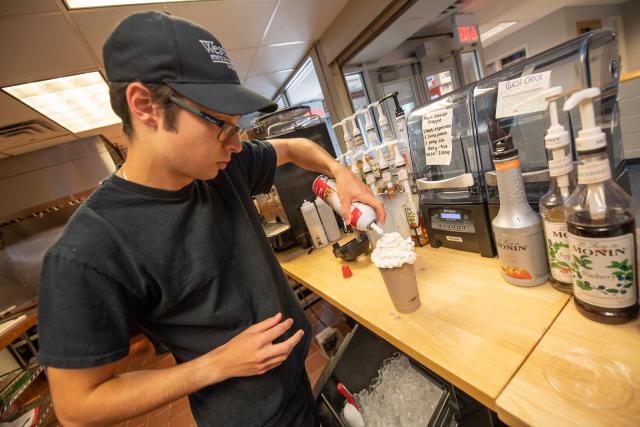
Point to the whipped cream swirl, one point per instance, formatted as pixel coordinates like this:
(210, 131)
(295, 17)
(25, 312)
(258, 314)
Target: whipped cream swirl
(393, 251)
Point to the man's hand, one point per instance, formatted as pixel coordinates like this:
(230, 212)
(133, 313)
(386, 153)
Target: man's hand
(352, 189)
(252, 351)
(308, 155)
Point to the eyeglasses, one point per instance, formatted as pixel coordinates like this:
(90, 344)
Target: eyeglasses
(227, 130)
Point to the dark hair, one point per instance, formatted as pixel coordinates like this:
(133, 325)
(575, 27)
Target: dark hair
(159, 95)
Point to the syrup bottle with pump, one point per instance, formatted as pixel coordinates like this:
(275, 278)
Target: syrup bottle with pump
(517, 228)
(601, 227)
(552, 204)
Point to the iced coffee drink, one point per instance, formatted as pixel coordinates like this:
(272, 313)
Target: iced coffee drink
(394, 257)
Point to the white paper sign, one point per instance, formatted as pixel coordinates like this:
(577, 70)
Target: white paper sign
(436, 133)
(513, 95)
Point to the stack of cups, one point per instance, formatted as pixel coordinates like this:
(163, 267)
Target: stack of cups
(394, 256)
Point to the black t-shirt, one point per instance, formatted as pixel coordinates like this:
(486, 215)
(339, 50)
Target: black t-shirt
(191, 268)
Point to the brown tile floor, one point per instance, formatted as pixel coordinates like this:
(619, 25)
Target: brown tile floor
(177, 414)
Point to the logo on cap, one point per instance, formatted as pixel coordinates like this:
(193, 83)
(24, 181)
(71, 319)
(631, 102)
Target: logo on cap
(217, 53)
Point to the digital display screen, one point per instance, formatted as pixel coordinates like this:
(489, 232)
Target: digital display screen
(448, 215)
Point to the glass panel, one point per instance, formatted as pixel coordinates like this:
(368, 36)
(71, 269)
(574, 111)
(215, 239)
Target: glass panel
(406, 97)
(281, 102)
(439, 84)
(464, 158)
(569, 69)
(305, 86)
(470, 67)
(305, 89)
(357, 91)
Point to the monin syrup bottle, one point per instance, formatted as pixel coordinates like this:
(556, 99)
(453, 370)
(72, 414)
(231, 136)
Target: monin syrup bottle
(552, 204)
(517, 228)
(601, 227)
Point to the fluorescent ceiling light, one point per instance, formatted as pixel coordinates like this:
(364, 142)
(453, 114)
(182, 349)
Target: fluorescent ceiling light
(80, 4)
(495, 30)
(285, 44)
(78, 103)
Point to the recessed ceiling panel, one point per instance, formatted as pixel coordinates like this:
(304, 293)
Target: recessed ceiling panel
(97, 24)
(270, 59)
(38, 47)
(237, 24)
(267, 84)
(241, 59)
(302, 20)
(21, 7)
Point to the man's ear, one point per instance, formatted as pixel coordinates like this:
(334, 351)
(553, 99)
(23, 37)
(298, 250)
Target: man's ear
(141, 107)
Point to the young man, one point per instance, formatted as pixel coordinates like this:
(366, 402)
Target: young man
(171, 245)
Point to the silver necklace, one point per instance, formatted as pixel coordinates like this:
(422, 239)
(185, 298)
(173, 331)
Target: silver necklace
(124, 175)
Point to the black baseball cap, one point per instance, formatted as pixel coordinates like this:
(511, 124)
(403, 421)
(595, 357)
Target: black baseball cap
(156, 47)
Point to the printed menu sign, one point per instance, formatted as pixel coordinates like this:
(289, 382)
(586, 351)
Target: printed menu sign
(513, 95)
(436, 133)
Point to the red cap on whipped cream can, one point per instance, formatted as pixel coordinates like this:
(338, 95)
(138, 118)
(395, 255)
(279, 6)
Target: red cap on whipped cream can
(362, 216)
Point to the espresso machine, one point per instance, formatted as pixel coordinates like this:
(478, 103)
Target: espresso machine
(449, 173)
(505, 103)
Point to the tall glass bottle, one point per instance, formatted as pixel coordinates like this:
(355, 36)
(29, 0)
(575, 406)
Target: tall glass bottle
(552, 204)
(517, 228)
(601, 227)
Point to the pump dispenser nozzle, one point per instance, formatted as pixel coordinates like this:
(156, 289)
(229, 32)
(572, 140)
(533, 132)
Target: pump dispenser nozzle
(590, 136)
(385, 127)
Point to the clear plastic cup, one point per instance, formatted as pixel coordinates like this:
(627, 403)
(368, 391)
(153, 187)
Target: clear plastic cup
(402, 287)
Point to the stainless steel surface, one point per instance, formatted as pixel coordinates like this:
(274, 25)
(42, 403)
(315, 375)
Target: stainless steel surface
(39, 177)
(13, 290)
(27, 256)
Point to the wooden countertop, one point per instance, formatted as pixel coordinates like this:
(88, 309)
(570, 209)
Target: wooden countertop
(582, 373)
(630, 76)
(20, 324)
(473, 328)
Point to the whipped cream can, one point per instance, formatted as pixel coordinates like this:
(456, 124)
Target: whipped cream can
(362, 216)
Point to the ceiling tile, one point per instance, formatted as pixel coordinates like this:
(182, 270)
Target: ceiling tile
(302, 20)
(97, 24)
(14, 111)
(108, 131)
(21, 7)
(241, 59)
(39, 145)
(38, 47)
(267, 84)
(275, 58)
(237, 24)
(222, 19)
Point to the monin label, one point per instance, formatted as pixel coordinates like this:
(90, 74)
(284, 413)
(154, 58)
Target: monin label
(518, 265)
(558, 250)
(603, 270)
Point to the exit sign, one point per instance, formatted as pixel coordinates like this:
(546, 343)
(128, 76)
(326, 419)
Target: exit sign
(468, 34)
(465, 30)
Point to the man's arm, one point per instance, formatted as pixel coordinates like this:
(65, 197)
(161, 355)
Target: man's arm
(309, 155)
(97, 396)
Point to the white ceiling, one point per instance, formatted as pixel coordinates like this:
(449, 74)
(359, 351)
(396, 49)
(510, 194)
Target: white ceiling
(41, 40)
(433, 17)
(422, 13)
(489, 13)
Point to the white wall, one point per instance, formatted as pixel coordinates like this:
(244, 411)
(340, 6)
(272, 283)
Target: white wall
(535, 38)
(560, 26)
(631, 14)
(629, 103)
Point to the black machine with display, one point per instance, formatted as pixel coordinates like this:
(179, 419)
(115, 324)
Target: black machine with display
(507, 102)
(449, 175)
